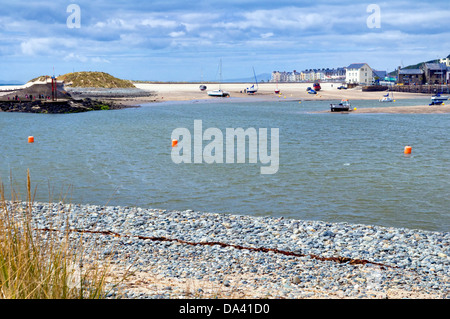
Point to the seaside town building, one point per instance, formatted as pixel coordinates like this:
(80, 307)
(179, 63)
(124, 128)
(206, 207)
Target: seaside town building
(359, 73)
(435, 73)
(429, 73)
(309, 75)
(379, 76)
(411, 76)
(445, 61)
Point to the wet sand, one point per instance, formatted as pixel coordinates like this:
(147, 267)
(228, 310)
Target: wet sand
(416, 109)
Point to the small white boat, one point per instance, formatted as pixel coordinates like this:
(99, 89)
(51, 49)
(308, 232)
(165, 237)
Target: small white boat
(344, 106)
(219, 93)
(387, 98)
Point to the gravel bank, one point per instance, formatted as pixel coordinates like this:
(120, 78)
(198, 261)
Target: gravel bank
(188, 254)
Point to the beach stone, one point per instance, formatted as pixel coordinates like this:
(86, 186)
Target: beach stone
(422, 256)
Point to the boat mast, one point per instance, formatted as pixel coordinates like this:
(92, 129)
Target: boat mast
(256, 81)
(220, 73)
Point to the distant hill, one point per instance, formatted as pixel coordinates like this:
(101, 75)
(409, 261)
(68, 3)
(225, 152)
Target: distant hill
(90, 80)
(10, 82)
(263, 77)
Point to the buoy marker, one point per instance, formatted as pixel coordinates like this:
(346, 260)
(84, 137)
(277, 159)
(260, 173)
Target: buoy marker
(30, 139)
(174, 143)
(408, 149)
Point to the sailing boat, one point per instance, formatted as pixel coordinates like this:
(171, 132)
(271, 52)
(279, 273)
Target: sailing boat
(277, 91)
(253, 89)
(219, 92)
(387, 98)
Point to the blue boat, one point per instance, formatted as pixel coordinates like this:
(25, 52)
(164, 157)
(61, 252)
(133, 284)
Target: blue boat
(438, 99)
(311, 91)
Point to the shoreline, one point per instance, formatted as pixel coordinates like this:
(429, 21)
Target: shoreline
(146, 93)
(197, 255)
(289, 92)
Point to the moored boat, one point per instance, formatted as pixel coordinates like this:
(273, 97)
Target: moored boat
(311, 91)
(219, 93)
(387, 98)
(341, 107)
(253, 89)
(438, 99)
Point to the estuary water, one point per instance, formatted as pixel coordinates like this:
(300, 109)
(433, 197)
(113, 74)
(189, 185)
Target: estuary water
(333, 167)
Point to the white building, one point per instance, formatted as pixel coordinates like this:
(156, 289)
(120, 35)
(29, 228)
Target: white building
(446, 61)
(295, 76)
(359, 73)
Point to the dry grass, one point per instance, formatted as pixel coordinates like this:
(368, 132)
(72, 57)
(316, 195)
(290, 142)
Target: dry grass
(94, 79)
(42, 265)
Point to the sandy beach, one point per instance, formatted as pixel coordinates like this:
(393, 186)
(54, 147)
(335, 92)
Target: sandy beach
(163, 92)
(288, 91)
(329, 91)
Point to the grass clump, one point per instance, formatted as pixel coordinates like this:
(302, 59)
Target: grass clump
(36, 264)
(94, 80)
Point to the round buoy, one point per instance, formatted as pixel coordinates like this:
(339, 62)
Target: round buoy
(354, 109)
(174, 143)
(30, 139)
(408, 149)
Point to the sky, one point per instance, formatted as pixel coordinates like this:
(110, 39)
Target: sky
(186, 40)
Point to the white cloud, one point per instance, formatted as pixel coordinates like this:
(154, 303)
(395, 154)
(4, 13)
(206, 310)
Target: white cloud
(266, 35)
(45, 46)
(75, 57)
(176, 34)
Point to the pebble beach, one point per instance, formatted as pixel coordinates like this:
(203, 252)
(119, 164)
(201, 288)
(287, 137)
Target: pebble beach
(199, 255)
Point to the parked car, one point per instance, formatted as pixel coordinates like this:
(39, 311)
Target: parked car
(342, 87)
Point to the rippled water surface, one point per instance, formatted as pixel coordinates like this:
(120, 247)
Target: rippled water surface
(333, 167)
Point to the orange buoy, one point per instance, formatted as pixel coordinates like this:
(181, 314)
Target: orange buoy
(30, 139)
(408, 149)
(174, 143)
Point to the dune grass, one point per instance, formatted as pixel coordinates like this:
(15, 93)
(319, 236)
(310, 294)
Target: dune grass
(35, 264)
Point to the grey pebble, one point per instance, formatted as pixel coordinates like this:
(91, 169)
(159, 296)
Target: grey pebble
(415, 261)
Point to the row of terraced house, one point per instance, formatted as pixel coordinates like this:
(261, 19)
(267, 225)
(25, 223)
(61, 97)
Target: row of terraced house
(356, 73)
(363, 74)
(310, 75)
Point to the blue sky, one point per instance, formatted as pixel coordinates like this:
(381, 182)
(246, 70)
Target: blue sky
(184, 40)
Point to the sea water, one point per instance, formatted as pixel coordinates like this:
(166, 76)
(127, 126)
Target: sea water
(333, 167)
